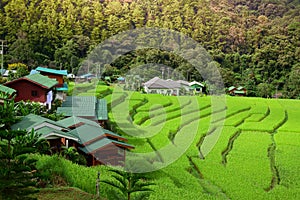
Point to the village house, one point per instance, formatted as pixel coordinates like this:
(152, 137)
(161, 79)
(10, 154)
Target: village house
(34, 87)
(196, 87)
(160, 86)
(184, 84)
(237, 91)
(240, 91)
(170, 87)
(98, 145)
(231, 90)
(61, 87)
(55, 133)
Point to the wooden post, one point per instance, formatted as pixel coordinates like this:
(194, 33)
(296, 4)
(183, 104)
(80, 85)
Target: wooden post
(98, 185)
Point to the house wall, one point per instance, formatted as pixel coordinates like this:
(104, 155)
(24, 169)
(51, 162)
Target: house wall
(59, 78)
(162, 91)
(55, 145)
(110, 154)
(24, 90)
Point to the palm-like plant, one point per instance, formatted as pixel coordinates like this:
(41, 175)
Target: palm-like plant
(128, 183)
(17, 169)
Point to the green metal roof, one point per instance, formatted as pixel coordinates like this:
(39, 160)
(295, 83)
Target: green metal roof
(239, 92)
(62, 89)
(89, 132)
(77, 111)
(70, 121)
(52, 71)
(28, 121)
(101, 143)
(89, 102)
(195, 86)
(240, 88)
(231, 88)
(102, 109)
(44, 81)
(31, 121)
(47, 132)
(6, 90)
(84, 106)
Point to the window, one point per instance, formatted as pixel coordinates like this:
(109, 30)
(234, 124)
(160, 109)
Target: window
(34, 93)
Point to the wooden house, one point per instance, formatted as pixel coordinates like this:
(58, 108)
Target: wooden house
(54, 74)
(56, 134)
(34, 87)
(240, 91)
(231, 90)
(61, 87)
(100, 146)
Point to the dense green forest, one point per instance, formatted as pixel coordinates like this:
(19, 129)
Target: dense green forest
(256, 43)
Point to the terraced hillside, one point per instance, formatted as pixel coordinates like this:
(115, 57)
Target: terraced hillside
(255, 153)
(207, 147)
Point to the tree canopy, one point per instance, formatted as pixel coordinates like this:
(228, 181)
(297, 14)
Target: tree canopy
(253, 41)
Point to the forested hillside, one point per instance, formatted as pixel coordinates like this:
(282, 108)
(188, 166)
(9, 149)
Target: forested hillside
(256, 43)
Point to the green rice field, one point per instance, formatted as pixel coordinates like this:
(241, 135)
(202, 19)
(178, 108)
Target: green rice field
(256, 144)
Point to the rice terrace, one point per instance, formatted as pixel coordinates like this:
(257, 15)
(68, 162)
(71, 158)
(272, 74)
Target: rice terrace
(256, 155)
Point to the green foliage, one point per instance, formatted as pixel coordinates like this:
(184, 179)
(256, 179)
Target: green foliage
(21, 70)
(17, 171)
(22, 108)
(260, 36)
(72, 155)
(128, 184)
(265, 90)
(293, 83)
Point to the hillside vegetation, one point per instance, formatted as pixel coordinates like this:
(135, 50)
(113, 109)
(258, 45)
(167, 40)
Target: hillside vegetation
(255, 43)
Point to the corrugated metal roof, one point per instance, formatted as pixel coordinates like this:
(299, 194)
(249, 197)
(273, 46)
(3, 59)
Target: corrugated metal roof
(71, 121)
(6, 90)
(80, 101)
(84, 106)
(77, 111)
(30, 121)
(63, 88)
(41, 80)
(231, 88)
(239, 92)
(47, 132)
(183, 82)
(196, 83)
(52, 71)
(101, 143)
(157, 83)
(102, 109)
(87, 132)
(240, 88)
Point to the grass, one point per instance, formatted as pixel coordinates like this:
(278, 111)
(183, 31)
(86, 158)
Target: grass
(64, 193)
(260, 138)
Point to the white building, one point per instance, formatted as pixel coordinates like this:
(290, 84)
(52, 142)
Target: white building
(160, 86)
